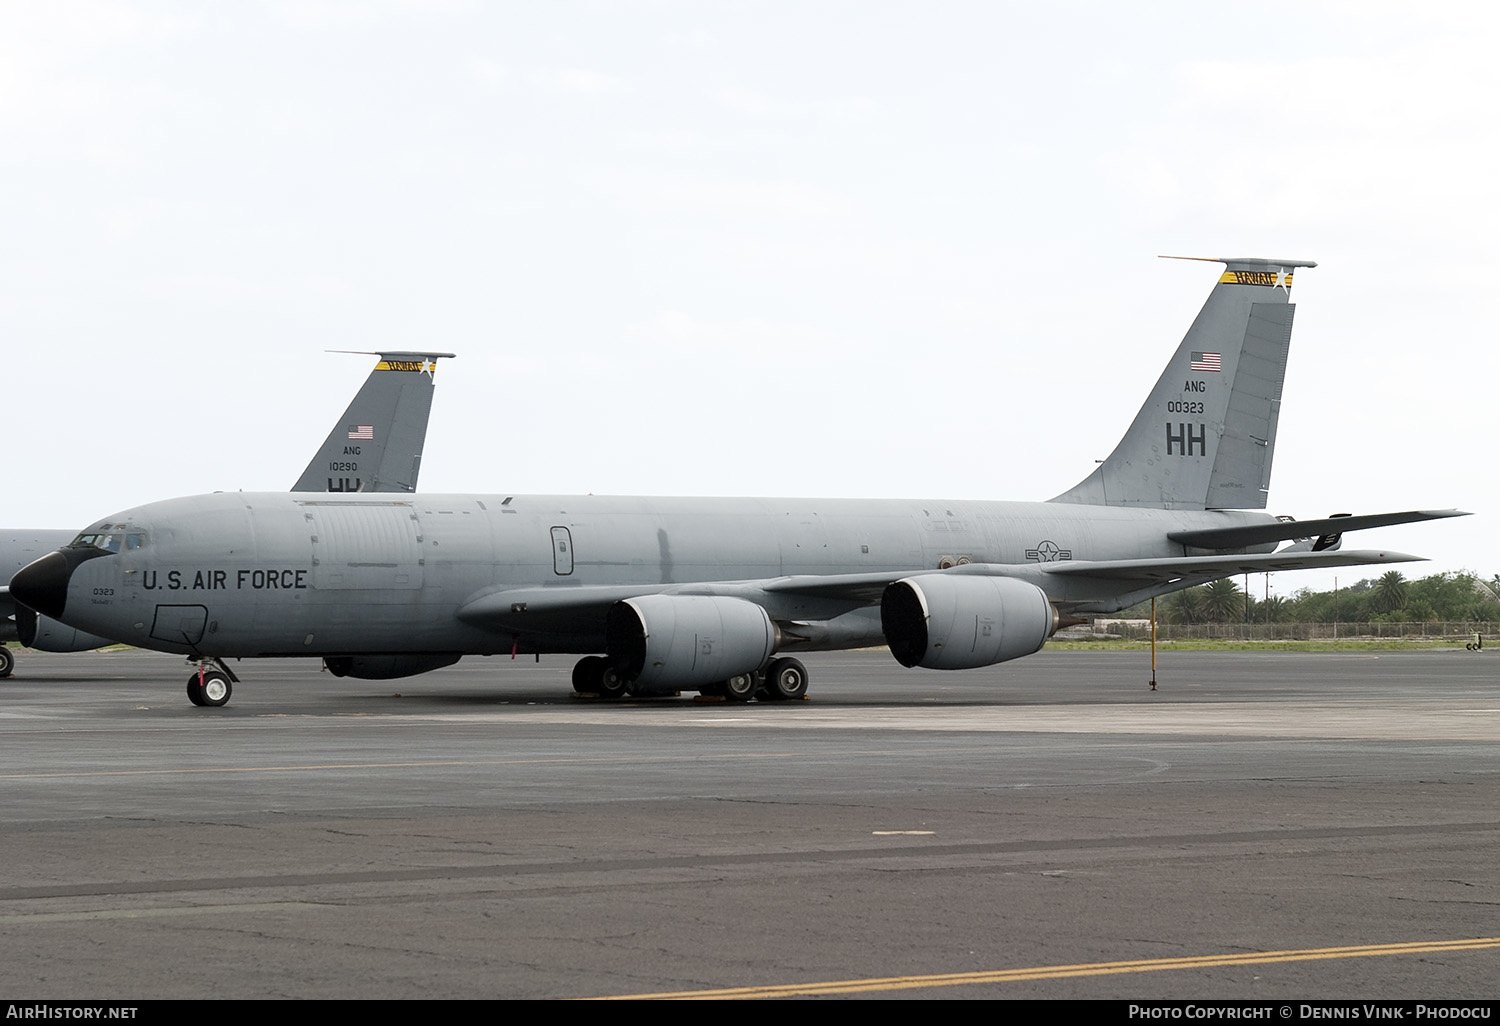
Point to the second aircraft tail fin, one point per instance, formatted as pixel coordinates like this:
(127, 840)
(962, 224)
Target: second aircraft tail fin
(377, 445)
(1205, 437)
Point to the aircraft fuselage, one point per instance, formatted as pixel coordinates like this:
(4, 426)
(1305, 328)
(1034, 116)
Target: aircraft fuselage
(247, 574)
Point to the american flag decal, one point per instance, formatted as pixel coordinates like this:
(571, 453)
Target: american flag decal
(1200, 362)
(367, 431)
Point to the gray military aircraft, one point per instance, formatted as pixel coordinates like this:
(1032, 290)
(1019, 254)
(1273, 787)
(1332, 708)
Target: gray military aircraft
(668, 594)
(375, 447)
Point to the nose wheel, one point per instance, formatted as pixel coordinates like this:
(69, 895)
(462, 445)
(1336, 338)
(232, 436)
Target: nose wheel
(210, 687)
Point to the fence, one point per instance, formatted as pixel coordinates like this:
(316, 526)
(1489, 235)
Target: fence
(1457, 631)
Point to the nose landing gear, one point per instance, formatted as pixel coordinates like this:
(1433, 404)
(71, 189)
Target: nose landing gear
(211, 686)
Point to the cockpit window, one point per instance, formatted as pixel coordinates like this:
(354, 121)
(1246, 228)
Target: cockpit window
(112, 541)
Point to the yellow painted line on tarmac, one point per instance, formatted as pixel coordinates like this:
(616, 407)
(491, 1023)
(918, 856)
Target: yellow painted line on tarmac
(1059, 972)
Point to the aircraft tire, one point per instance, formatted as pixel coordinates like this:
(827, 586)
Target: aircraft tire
(593, 675)
(7, 661)
(216, 689)
(612, 687)
(741, 687)
(786, 679)
(587, 673)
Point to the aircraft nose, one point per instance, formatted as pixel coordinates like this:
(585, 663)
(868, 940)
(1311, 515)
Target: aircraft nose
(43, 585)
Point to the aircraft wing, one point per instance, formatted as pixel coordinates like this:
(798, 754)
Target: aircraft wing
(525, 608)
(870, 586)
(573, 608)
(1210, 567)
(577, 609)
(1083, 583)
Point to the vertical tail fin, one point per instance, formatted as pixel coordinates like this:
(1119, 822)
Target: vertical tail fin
(377, 445)
(1205, 437)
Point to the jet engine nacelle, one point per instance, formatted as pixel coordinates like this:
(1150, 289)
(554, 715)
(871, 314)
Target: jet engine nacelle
(389, 667)
(48, 635)
(667, 642)
(950, 622)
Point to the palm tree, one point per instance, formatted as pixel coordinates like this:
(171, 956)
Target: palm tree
(1185, 606)
(1390, 591)
(1223, 601)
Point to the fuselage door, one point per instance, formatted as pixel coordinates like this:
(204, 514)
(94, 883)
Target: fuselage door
(181, 625)
(562, 551)
(365, 544)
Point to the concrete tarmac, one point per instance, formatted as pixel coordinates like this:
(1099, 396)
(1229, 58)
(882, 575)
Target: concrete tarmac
(480, 833)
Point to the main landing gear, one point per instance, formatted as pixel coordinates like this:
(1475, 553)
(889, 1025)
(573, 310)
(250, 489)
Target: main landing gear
(740, 688)
(208, 686)
(7, 661)
(784, 679)
(594, 676)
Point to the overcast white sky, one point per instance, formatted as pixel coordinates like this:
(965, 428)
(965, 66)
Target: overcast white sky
(841, 249)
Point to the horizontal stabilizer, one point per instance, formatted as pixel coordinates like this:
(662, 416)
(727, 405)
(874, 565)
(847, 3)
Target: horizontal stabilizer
(1260, 534)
